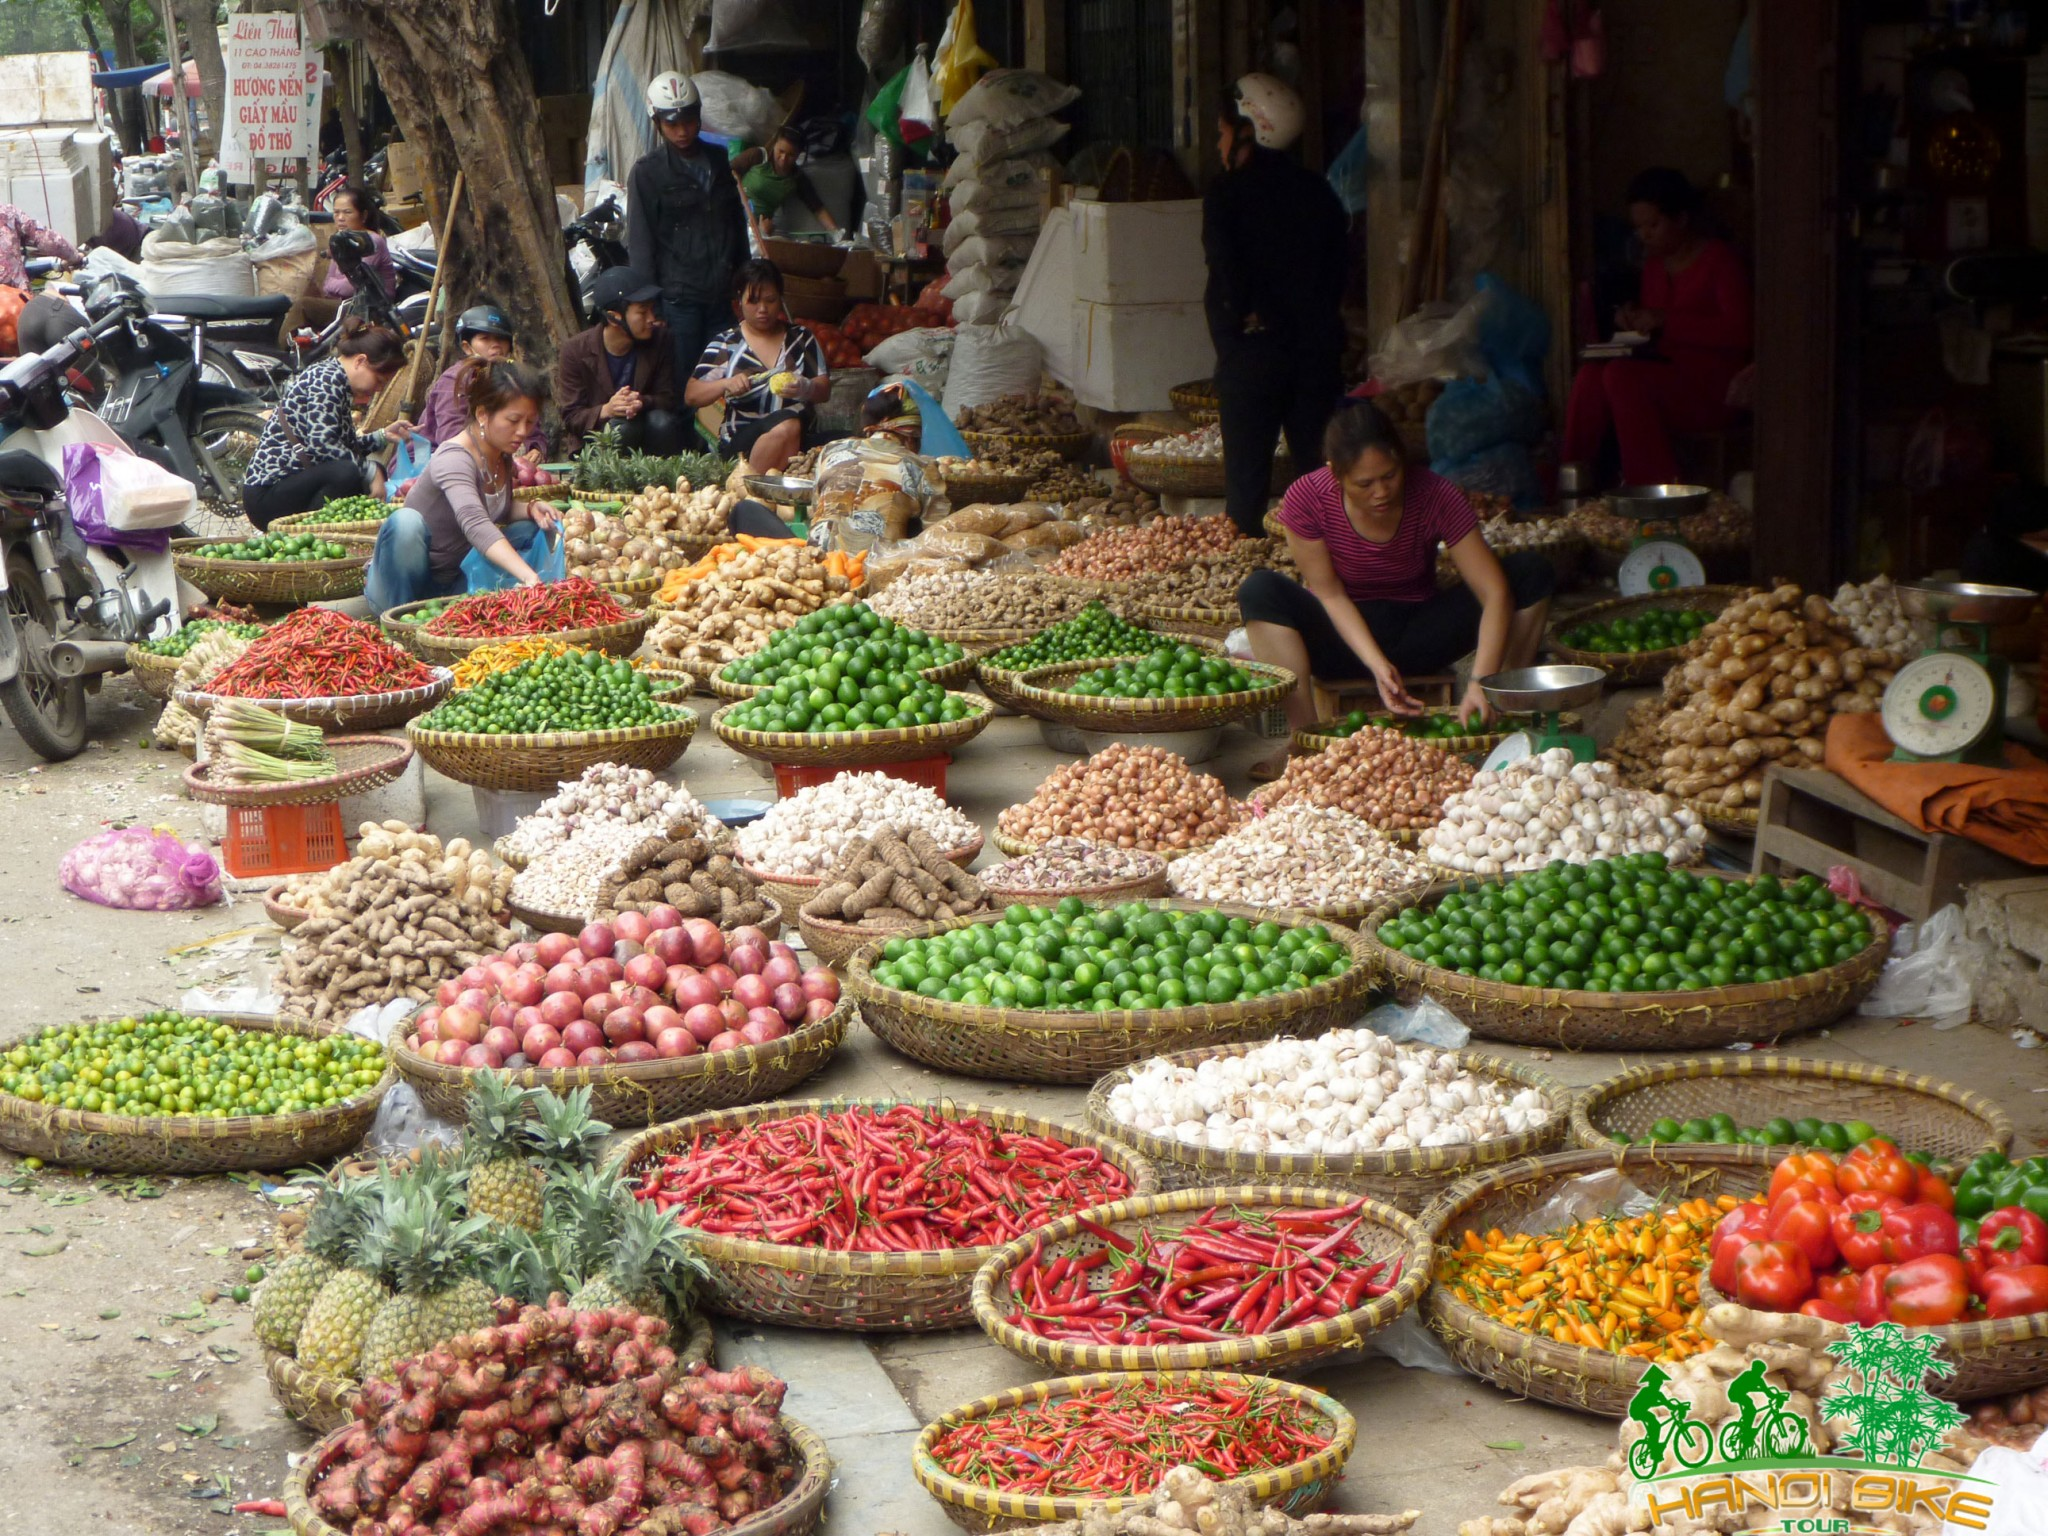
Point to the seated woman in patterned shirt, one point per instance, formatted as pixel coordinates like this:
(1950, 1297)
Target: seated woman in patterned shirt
(310, 452)
(768, 371)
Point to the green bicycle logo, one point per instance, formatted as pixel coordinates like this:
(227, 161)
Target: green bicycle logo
(1763, 1426)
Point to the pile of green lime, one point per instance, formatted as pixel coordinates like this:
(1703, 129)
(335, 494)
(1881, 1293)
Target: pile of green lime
(853, 634)
(1169, 672)
(432, 608)
(1828, 1135)
(576, 691)
(351, 509)
(1658, 629)
(833, 697)
(1077, 958)
(1431, 727)
(172, 1064)
(1091, 633)
(1633, 925)
(194, 630)
(276, 547)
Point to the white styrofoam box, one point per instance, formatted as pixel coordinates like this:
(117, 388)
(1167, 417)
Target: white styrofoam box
(1127, 356)
(92, 151)
(403, 799)
(1139, 253)
(497, 811)
(1043, 304)
(46, 88)
(45, 182)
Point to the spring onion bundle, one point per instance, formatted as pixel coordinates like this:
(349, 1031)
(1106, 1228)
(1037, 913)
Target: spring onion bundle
(248, 744)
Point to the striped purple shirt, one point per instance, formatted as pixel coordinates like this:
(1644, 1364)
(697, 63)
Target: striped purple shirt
(1402, 570)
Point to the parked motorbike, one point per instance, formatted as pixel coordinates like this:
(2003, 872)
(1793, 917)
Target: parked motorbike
(71, 608)
(594, 243)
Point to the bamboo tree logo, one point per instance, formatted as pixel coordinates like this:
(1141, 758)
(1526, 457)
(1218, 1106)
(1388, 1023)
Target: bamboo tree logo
(1892, 1417)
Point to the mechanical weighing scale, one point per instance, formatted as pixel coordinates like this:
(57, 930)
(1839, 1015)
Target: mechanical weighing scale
(1948, 705)
(1658, 560)
(1546, 693)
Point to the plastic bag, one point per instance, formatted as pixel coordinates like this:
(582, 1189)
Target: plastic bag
(553, 565)
(1429, 1022)
(1513, 334)
(921, 353)
(1505, 469)
(1587, 1198)
(758, 26)
(1436, 342)
(1348, 172)
(1001, 175)
(1004, 98)
(141, 871)
(1021, 220)
(1928, 975)
(2019, 1504)
(735, 108)
(1406, 1341)
(117, 497)
(1472, 415)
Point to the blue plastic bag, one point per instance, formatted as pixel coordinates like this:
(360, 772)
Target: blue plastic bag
(1514, 333)
(1505, 469)
(528, 538)
(1347, 174)
(408, 463)
(1473, 415)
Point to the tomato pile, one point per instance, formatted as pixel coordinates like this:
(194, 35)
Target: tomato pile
(275, 548)
(1873, 1237)
(1169, 672)
(839, 352)
(1091, 633)
(866, 324)
(576, 691)
(167, 1063)
(859, 1180)
(577, 603)
(1093, 959)
(1660, 629)
(317, 653)
(859, 639)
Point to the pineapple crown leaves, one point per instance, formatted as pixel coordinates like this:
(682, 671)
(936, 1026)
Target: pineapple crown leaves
(496, 1122)
(581, 1222)
(652, 1253)
(511, 1263)
(429, 1250)
(338, 1215)
(562, 1133)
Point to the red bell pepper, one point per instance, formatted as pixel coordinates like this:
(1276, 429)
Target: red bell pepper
(1773, 1276)
(1930, 1290)
(1815, 1166)
(1742, 1226)
(1838, 1289)
(1930, 1188)
(1828, 1310)
(1879, 1167)
(1973, 1261)
(1859, 1228)
(1806, 1223)
(1871, 1304)
(1910, 1231)
(1805, 1190)
(2012, 1238)
(2016, 1292)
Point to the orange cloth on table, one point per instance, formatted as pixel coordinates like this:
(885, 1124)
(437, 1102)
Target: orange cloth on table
(2005, 809)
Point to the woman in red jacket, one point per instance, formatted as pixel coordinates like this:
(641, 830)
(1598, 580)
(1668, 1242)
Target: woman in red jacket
(1696, 303)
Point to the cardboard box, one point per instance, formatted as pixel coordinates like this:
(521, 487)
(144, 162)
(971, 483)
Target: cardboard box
(862, 275)
(403, 172)
(564, 126)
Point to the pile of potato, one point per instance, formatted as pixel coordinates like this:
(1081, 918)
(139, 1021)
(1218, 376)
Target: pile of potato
(739, 606)
(1026, 415)
(894, 875)
(649, 536)
(1388, 779)
(395, 921)
(1127, 797)
(1758, 687)
(683, 866)
(1115, 503)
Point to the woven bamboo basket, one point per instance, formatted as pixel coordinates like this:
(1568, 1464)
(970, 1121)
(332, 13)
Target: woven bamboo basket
(192, 1144)
(621, 639)
(647, 1092)
(1304, 1486)
(1595, 1381)
(1048, 1046)
(792, 891)
(353, 712)
(1316, 738)
(537, 764)
(979, 642)
(1197, 399)
(1016, 848)
(1166, 476)
(1759, 1013)
(834, 942)
(810, 1287)
(1385, 1234)
(638, 591)
(1408, 1180)
(1039, 695)
(1624, 668)
(1103, 894)
(273, 581)
(797, 1513)
(1565, 552)
(997, 486)
(1732, 821)
(945, 674)
(309, 522)
(853, 749)
(1922, 1113)
(362, 763)
(285, 917)
(1187, 619)
(1068, 445)
(1000, 683)
(691, 675)
(155, 673)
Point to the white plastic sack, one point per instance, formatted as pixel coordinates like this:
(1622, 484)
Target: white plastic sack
(736, 109)
(1017, 169)
(982, 197)
(983, 142)
(908, 351)
(103, 261)
(989, 361)
(984, 250)
(995, 277)
(2019, 1504)
(1007, 97)
(1436, 342)
(137, 495)
(1003, 221)
(289, 241)
(219, 267)
(1928, 975)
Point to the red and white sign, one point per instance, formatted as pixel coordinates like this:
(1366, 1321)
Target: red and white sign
(270, 112)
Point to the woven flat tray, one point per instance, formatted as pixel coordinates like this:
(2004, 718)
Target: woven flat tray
(997, 486)
(1061, 1046)
(1107, 893)
(1017, 848)
(1000, 683)
(362, 763)
(1197, 399)
(1314, 738)
(359, 712)
(157, 674)
(945, 674)
(1068, 445)
(1628, 667)
(274, 908)
(537, 764)
(1733, 821)
(852, 749)
(1185, 618)
(1038, 694)
(274, 581)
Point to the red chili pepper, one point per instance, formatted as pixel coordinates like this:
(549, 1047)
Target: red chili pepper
(318, 653)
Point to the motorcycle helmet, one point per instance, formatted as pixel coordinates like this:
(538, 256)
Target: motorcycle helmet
(617, 287)
(350, 247)
(1271, 107)
(115, 290)
(483, 320)
(673, 97)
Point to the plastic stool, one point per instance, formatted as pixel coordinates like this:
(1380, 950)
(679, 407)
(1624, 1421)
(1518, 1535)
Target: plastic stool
(928, 771)
(283, 840)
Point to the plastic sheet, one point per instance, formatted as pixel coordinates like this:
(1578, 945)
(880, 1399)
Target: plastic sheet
(1928, 975)
(1429, 1022)
(142, 871)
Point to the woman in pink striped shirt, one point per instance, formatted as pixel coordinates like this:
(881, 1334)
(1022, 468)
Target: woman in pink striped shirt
(1364, 532)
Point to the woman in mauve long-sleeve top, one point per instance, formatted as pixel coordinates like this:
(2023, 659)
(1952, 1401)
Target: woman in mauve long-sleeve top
(1696, 303)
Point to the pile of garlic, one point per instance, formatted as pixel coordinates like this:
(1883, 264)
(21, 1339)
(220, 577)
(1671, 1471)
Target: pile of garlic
(1347, 1092)
(1549, 807)
(1874, 615)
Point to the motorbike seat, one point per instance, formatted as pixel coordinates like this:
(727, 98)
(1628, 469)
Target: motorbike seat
(21, 470)
(200, 306)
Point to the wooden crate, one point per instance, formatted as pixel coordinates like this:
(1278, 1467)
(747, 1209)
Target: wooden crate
(1811, 821)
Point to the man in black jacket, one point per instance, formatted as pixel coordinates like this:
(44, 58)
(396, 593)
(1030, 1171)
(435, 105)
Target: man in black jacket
(686, 224)
(1275, 237)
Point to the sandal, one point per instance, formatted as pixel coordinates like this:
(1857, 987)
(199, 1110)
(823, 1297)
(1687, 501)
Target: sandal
(1269, 769)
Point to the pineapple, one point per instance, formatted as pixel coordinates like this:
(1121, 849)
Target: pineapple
(650, 1267)
(510, 1263)
(503, 1184)
(435, 1299)
(284, 1299)
(330, 1341)
(582, 1224)
(563, 1134)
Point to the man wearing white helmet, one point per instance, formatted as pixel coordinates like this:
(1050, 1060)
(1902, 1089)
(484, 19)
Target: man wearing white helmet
(686, 224)
(1275, 237)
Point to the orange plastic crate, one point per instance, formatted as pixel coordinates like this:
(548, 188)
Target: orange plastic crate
(928, 771)
(283, 840)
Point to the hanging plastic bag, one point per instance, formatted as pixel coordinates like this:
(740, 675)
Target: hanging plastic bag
(142, 871)
(1928, 975)
(961, 58)
(918, 112)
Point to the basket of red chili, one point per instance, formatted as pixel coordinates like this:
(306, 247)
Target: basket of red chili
(1064, 1449)
(324, 668)
(1256, 1277)
(576, 612)
(866, 1214)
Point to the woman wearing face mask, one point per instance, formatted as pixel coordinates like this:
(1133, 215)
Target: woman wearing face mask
(310, 452)
(463, 501)
(1364, 533)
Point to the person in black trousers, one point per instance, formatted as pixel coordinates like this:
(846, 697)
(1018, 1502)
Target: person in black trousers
(1275, 237)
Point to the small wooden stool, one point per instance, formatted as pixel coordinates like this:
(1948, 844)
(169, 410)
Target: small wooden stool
(1436, 689)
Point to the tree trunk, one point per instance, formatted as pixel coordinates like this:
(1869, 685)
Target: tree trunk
(458, 82)
(128, 118)
(196, 21)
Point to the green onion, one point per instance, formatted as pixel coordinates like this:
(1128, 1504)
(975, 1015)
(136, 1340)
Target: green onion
(233, 763)
(251, 725)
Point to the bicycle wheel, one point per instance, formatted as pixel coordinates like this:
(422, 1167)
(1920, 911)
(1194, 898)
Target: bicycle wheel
(1644, 1457)
(1692, 1443)
(1787, 1435)
(224, 442)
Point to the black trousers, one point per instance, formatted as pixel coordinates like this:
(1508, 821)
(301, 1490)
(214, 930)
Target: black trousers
(304, 489)
(1264, 388)
(661, 433)
(756, 518)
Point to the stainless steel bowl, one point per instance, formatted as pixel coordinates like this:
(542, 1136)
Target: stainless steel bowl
(1657, 502)
(1530, 689)
(783, 490)
(1965, 602)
